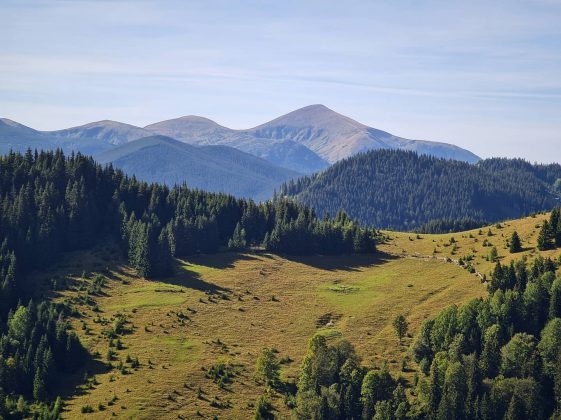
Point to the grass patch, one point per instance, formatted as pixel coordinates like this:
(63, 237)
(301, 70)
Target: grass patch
(181, 328)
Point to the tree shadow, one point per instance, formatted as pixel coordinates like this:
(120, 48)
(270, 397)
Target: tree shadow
(222, 260)
(71, 384)
(190, 279)
(348, 262)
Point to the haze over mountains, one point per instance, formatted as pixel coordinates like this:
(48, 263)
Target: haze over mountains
(209, 168)
(304, 141)
(328, 134)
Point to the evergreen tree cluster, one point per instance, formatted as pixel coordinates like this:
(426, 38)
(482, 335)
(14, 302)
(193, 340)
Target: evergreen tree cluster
(550, 233)
(402, 190)
(35, 346)
(450, 226)
(498, 357)
(334, 385)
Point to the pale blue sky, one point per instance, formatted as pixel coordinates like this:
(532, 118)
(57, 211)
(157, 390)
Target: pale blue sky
(485, 75)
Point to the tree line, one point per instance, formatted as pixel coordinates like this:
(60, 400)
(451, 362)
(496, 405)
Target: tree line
(406, 191)
(51, 203)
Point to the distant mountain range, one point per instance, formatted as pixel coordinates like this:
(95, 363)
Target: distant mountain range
(328, 134)
(403, 190)
(304, 141)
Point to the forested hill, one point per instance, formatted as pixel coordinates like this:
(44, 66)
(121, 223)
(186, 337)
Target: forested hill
(403, 190)
(50, 204)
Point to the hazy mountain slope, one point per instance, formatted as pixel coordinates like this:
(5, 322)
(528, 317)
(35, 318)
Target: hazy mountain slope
(402, 190)
(98, 136)
(211, 168)
(306, 140)
(191, 129)
(202, 131)
(111, 132)
(89, 139)
(334, 136)
(318, 131)
(18, 137)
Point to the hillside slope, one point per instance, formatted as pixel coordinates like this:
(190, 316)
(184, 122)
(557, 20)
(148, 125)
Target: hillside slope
(211, 168)
(105, 133)
(402, 190)
(18, 137)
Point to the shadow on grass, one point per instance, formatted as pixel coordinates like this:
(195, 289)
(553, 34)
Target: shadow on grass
(73, 384)
(190, 279)
(350, 262)
(223, 260)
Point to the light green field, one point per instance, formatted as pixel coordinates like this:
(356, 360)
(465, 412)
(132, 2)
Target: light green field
(228, 307)
(407, 245)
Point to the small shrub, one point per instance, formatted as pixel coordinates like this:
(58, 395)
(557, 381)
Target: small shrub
(87, 409)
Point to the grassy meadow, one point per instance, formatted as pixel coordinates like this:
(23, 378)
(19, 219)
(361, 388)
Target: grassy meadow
(476, 243)
(226, 308)
(159, 343)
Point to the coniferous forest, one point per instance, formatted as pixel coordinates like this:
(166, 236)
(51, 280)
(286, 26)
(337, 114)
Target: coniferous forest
(406, 191)
(51, 204)
(498, 357)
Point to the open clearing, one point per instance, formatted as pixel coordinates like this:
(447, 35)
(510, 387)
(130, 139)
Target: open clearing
(476, 243)
(227, 307)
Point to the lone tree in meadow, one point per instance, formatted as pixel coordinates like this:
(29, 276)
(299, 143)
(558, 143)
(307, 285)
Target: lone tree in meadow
(493, 255)
(400, 325)
(267, 368)
(515, 244)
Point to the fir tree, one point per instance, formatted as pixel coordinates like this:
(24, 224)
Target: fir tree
(238, 239)
(400, 327)
(544, 237)
(515, 244)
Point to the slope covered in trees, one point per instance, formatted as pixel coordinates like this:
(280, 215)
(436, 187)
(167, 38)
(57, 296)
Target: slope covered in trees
(403, 190)
(497, 357)
(50, 204)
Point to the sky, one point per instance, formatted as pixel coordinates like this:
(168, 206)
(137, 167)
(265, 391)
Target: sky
(484, 75)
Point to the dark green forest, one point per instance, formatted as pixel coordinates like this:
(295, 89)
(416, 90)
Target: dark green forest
(405, 191)
(50, 204)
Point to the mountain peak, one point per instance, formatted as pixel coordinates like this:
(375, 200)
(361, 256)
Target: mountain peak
(189, 128)
(185, 121)
(315, 116)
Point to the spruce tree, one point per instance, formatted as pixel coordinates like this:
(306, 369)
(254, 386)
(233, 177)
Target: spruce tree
(555, 300)
(515, 409)
(544, 237)
(238, 240)
(39, 392)
(490, 356)
(400, 327)
(515, 244)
